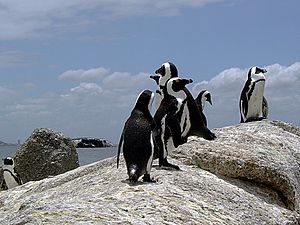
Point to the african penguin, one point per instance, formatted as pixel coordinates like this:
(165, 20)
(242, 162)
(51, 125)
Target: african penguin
(164, 73)
(11, 177)
(203, 96)
(136, 140)
(167, 71)
(167, 131)
(252, 100)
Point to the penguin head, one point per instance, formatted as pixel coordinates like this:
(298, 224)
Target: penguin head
(144, 101)
(176, 85)
(167, 71)
(8, 161)
(205, 96)
(256, 72)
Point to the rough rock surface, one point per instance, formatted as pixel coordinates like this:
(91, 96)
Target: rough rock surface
(91, 143)
(99, 193)
(45, 153)
(266, 153)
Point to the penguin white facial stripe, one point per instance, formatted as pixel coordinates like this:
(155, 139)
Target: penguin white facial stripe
(168, 69)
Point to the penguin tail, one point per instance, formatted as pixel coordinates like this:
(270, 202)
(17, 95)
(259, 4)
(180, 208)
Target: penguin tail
(133, 174)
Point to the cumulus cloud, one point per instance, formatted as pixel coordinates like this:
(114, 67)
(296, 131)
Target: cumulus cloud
(124, 80)
(102, 106)
(282, 92)
(90, 74)
(31, 19)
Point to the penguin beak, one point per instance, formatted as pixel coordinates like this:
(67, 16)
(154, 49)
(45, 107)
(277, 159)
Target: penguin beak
(208, 98)
(156, 78)
(264, 70)
(210, 102)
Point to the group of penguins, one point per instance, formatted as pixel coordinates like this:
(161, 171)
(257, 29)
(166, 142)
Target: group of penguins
(177, 116)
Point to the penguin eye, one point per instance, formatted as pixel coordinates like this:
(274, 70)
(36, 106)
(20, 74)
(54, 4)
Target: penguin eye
(258, 70)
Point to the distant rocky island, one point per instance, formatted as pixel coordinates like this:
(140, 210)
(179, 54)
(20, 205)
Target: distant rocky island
(91, 142)
(7, 144)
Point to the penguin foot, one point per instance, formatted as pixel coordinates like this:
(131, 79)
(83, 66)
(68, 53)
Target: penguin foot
(147, 178)
(165, 163)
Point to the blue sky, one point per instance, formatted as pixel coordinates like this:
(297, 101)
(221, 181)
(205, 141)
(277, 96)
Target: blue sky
(76, 66)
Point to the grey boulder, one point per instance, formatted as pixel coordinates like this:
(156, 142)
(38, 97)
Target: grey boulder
(45, 153)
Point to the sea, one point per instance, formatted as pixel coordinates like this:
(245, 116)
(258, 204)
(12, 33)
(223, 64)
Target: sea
(85, 155)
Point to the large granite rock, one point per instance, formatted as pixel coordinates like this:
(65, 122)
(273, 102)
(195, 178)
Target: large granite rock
(263, 153)
(99, 193)
(45, 153)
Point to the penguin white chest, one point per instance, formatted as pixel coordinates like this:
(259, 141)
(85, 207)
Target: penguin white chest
(185, 122)
(9, 180)
(255, 100)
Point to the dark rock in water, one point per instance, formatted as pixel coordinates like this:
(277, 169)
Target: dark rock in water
(91, 143)
(45, 153)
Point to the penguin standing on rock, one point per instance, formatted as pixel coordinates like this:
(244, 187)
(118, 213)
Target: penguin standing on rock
(137, 141)
(253, 104)
(167, 131)
(203, 96)
(11, 177)
(192, 114)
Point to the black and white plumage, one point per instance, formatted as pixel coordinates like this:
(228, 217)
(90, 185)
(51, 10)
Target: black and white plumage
(168, 125)
(11, 177)
(203, 96)
(167, 71)
(136, 140)
(253, 104)
(164, 73)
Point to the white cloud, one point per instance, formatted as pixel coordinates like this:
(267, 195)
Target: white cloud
(87, 88)
(282, 92)
(90, 74)
(124, 80)
(101, 107)
(31, 19)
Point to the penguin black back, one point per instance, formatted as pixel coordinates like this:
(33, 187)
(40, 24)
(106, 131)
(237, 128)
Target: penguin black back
(202, 97)
(136, 139)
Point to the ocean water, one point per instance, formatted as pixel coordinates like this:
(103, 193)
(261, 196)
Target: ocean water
(85, 155)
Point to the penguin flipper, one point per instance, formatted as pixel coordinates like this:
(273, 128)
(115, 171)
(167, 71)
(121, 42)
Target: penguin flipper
(3, 185)
(119, 148)
(243, 110)
(174, 125)
(17, 177)
(265, 108)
